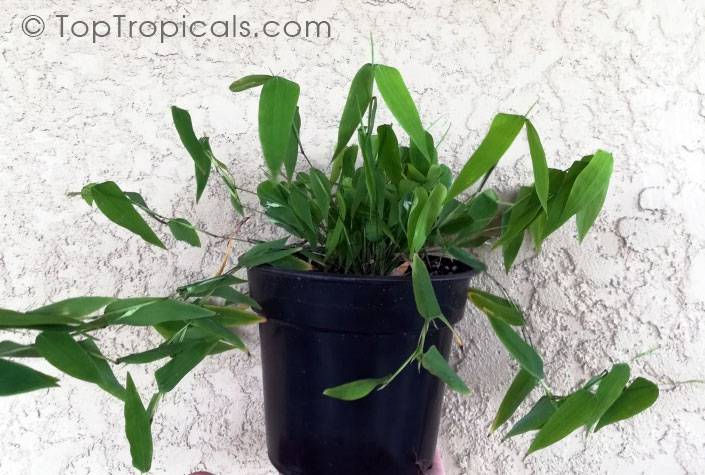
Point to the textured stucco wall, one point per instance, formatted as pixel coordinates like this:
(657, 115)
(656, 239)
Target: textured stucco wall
(626, 76)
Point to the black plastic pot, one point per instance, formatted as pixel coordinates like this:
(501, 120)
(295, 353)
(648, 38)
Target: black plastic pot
(324, 330)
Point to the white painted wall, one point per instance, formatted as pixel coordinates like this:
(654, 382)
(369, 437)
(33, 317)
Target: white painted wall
(626, 76)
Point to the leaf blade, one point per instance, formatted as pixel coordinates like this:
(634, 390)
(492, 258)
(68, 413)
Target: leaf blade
(434, 362)
(118, 208)
(573, 413)
(503, 130)
(138, 428)
(277, 108)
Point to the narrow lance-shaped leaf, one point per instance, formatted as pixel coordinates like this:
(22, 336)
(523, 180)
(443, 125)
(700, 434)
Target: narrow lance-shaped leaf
(169, 375)
(609, 390)
(138, 428)
(77, 307)
(64, 353)
(355, 389)
(586, 217)
(524, 354)
(638, 397)
(12, 319)
(292, 149)
(213, 328)
(358, 100)
(388, 154)
(155, 354)
(396, 95)
(535, 418)
(17, 350)
(224, 172)
(277, 107)
(415, 214)
(503, 130)
(538, 160)
(266, 252)
(184, 231)
(108, 382)
(425, 296)
(248, 82)
(17, 379)
(521, 387)
(184, 127)
(466, 258)
(144, 313)
(573, 413)
(495, 306)
(434, 362)
(235, 317)
(118, 208)
(590, 183)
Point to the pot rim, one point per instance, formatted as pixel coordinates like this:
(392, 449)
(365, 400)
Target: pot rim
(358, 278)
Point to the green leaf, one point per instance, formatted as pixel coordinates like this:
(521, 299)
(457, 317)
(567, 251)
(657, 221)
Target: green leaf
(292, 149)
(16, 350)
(535, 418)
(510, 247)
(425, 296)
(138, 428)
(65, 354)
(590, 184)
(156, 312)
(466, 258)
(183, 231)
(155, 354)
(213, 328)
(355, 389)
(207, 286)
(87, 194)
(320, 188)
(333, 238)
(224, 172)
(498, 307)
(266, 252)
(232, 296)
(520, 215)
(169, 375)
(184, 127)
(521, 387)
(638, 397)
(235, 317)
(524, 354)
(434, 362)
(292, 263)
(10, 319)
(503, 130)
(538, 160)
(248, 82)
(427, 217)
(17, 379)
(573, 413)
(277, 107)
(586, 217)
(107, 382)
(395, 94)
(388, 154)
(609, 390)
(416, 215)
(357, 102)
(77, 307)
(116, 206)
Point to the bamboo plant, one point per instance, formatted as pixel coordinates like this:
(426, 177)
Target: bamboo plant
(383, 206)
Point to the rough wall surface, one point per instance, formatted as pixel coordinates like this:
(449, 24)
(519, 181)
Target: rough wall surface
(625, 76)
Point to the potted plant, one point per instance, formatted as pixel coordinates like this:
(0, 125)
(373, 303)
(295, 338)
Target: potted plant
(356, 304)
